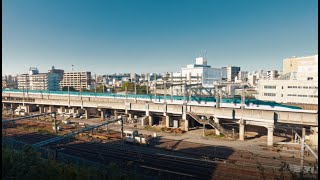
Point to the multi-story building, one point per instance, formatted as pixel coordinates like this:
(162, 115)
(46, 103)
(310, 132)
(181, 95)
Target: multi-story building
(232, 72)
(208, 75)
(299, 86)
(198, 74)
(295, 64)
(57, 71)
(77, 80)
(38, 81)
(242, 76)
(272, 74)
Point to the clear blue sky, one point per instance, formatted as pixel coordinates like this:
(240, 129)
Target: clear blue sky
(108, 36)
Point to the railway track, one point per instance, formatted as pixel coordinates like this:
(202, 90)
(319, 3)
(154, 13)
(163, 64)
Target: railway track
(153, 161)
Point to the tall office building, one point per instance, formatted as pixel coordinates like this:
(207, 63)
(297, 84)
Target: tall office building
(78, 80)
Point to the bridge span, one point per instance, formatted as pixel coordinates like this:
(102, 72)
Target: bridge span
(180, 110)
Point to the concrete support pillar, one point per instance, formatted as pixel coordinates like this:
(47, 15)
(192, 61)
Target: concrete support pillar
(165, 110)
(27, 108)
(144, 120)
(51, 108)
(150, 121)
(115, 113)
(167, 121)
(216, 120)
(241, 130)
(314, 136)
(127, 107)
(270, 136)
(62, 109)
(41, 109)
(102, 114)
(184, 112)
(129, 116)
(86, 111)
(186, 125)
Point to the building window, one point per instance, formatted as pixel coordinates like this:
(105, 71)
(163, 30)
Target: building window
(269, 87)
(269, 94)
(291, 95)
(310, 78)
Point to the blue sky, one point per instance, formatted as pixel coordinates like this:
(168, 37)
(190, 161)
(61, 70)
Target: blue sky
(108, 36)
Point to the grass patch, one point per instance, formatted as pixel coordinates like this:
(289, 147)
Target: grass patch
(212, 134)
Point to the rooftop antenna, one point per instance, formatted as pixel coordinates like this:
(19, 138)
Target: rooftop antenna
(205, 54)
(72, 67)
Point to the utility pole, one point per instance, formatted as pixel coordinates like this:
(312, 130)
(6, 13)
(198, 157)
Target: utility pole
(122, 129)
(23, 95)
(95, 82)
(55, 122)
(68, 96)
(147, 89)
(126, 88)
(243, 98)
(165, 91)
(155, 91)
(184, 91)
(302, 151)
(171, 87)
(43, 88)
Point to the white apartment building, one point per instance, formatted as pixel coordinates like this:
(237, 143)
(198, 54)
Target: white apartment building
(78, 80)
(38, 81)
(199, 73)
(288, 91)
(208, 75)
(294, 87)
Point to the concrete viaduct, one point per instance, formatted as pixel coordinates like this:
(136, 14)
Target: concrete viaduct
(75, 104)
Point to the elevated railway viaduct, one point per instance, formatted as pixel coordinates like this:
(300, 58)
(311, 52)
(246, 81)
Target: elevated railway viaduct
(186, 112)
